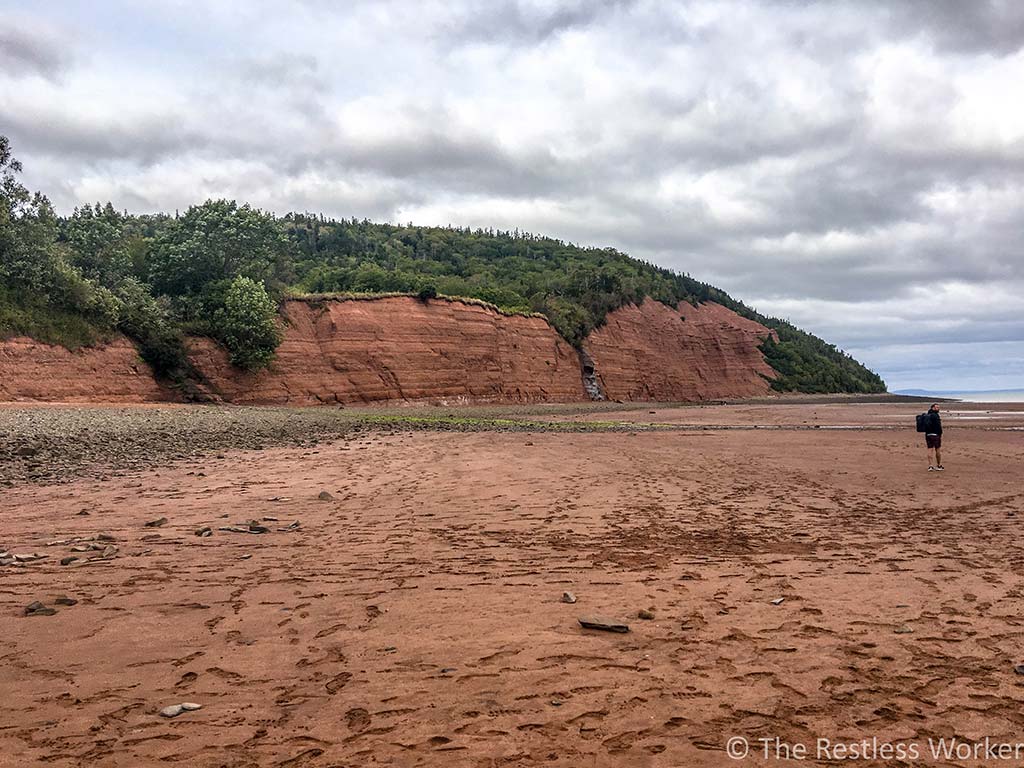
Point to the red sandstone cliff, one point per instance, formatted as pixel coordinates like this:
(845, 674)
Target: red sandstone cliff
(402, 349)
(654, 352)
(405, 349)
(111, 373)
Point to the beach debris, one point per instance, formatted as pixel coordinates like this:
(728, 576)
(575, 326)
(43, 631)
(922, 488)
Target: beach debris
(279, 498)
(160, 521)
(38, 609)
(903, 629)
(64, 600)
(29, 558)
(269, 519)
(646, 614)
(778, 601)
(603, 624)
(176, 709)
(290, 527)
(568, 597)
(204, 531)
(325, 496)
(253, 526)
(244, 557)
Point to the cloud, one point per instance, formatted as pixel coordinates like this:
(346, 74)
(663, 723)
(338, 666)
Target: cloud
(32, 51)
(855, 166)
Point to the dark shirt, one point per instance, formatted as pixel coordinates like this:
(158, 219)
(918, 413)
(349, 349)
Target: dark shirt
(932, 423)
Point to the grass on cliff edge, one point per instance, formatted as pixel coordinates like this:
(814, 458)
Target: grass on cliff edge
(44, 323)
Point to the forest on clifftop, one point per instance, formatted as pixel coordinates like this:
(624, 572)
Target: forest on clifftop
(221, 269)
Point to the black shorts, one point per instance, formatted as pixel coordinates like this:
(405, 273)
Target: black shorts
(933, 441)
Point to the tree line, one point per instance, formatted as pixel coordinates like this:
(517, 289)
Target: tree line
(221, 269)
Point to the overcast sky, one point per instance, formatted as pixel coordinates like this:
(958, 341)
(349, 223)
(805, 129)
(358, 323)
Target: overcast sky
(856, 167)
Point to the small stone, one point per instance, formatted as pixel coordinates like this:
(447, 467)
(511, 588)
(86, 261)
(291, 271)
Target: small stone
(244, 557)
(84, 513)
(68, 560)
(325, 496)
(903, 629)
(38, 609)
(204, 531)
(172, 711)
(568, 597)
(64, 600)
(778, 601)
(190, 706)
(606, 625)
(1019, 669)
(645, 614)
(104, 537)
(160, 521)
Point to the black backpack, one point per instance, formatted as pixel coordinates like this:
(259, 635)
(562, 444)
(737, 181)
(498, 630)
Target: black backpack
(922, 422)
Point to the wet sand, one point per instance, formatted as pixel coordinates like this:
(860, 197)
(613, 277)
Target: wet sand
(415, 617)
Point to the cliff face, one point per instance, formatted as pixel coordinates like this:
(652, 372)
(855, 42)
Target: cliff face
(654, 352)
(401, 349)
(405, 349)
(112, 373)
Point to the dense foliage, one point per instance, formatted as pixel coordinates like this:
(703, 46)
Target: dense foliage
(220, 269)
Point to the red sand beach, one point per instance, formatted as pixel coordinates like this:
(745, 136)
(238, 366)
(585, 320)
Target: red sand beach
(415, 617)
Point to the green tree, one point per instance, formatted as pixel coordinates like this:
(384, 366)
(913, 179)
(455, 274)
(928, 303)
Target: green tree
(217, 240)
(28, 231)
(247, 324)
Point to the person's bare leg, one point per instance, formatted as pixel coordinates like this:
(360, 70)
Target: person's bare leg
(931, 457)
(938, 457)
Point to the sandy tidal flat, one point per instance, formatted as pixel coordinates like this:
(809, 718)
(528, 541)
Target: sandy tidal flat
(413, 614)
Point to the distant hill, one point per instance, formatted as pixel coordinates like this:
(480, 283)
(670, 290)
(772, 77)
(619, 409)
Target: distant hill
(222, 269)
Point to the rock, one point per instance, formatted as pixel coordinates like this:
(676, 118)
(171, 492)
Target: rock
(38, 609)
(903, 629)
(645, 614)
(104, 537)
(172, 711)
(65, 600)
(1019, 669)
(160, 521)
(568, 597)
(606, 625)
(204, 531)
(68, 560)
(255, 527)
(290, 527)
(244, 557)
(325, 496)
(778, 601)
(189, 706)
(26, 450)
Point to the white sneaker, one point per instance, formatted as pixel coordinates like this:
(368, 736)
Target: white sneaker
(931, 469)
(939, 468)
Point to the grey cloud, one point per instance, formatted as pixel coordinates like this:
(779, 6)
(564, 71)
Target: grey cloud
(31, 52)
(515, 21)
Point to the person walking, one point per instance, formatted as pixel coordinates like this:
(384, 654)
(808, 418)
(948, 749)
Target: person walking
(933, 438)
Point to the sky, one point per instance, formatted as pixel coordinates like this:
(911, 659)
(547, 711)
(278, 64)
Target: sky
(856, 167)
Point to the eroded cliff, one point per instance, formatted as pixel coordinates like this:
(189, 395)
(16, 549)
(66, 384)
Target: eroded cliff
(654, 352)
(404, 349)
(401, 349)
(110, 373)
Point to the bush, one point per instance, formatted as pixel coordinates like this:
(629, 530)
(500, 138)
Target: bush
(247, 324)
(151, 325)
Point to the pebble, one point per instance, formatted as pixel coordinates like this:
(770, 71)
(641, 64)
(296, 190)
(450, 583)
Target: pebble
(68, 560)
(903, 629)
(38, 609)
(778, 601)
(568, 597)
(157, 523)
(65, 600)
(645, 614)
(325, 496)
(205, 531)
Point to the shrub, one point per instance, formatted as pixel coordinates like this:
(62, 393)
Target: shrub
(246, 324)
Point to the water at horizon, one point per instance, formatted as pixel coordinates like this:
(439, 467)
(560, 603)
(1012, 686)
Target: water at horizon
(1006, 396)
